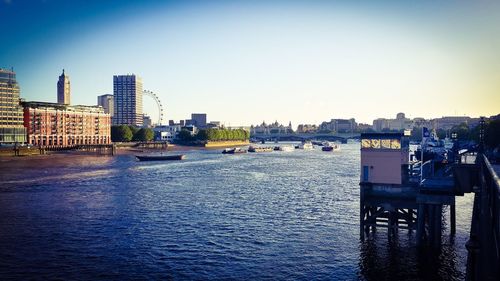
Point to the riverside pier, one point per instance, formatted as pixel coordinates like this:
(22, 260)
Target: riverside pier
(397, 192)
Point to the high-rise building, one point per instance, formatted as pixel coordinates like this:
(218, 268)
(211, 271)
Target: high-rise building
(63, 89)
(11, 113)
(127, 91)
(107, 102)
(199, 119)
(146, 121)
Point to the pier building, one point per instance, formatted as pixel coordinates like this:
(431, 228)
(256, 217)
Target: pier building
(55, 124)
(387, 190)
(398, 193)
(11, 112)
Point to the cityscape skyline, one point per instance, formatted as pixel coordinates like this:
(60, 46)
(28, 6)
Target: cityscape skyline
(331, 60)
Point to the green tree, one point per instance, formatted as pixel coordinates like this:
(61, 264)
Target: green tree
(144, 134)
(462, 131)
(184, 136)
(416, 134)
(223, 135)
(202, 135)
(150, 134)
(133, 129)
(211, 134)
(121, 133)
(441, 133)
(216, 135)
(239, 134)
(492, 134)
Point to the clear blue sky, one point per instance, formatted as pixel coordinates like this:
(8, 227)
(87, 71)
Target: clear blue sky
(242, 62)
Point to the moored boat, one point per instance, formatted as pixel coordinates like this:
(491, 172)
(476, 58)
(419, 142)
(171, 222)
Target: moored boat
(330, 147)
(260, 149)
(286, 148)
(235, 150)
(318, 143)
(160, 157)
(306, 145)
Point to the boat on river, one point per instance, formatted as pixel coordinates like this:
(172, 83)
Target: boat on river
(260, 149)
(235, 150)
(330, 147)
(306, 145)
(318, 143)
(286, 148)
(160, 157)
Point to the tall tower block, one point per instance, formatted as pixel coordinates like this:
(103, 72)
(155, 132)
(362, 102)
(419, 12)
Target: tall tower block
(63, 89)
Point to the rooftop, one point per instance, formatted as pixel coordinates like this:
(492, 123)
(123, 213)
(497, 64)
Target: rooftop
(389, 135)
(59, 106)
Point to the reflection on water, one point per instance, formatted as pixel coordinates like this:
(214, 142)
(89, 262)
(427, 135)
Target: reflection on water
(213, 216)
(398, 258)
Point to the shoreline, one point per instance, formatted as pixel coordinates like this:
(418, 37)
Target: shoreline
(120, 150)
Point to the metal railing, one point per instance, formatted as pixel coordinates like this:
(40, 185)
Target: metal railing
(483, 261)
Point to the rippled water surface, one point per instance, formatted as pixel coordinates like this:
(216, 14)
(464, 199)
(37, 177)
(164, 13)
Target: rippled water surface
(279, 215)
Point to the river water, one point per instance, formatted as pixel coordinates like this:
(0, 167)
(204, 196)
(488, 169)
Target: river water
(280, 216)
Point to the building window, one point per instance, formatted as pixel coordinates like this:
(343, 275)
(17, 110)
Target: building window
(395, 144)
(381, 143)
(375, 143)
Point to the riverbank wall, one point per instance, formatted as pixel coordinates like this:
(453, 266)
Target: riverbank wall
(218, 144)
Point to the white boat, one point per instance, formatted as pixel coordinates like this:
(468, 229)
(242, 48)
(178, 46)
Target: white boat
(307, 145)
(286, 148)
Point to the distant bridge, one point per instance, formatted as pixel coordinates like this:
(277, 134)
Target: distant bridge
(305, 136)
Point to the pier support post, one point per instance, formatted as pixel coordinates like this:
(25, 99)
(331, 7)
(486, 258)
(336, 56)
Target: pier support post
(373, 211)
(409, 219)
(420, 223)
(361, 214)
(452, 219)
(438, 220)
(431, 223)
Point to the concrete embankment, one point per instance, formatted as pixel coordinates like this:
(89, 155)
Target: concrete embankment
(218, 144)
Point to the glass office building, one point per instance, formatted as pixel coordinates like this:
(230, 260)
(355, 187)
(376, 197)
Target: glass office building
(11, 112)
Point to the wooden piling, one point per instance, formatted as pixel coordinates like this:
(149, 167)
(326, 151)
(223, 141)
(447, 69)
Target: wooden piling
(420, 224)
(361, 214)
(452, 219)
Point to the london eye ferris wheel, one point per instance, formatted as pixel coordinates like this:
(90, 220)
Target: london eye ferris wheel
(158, 104)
